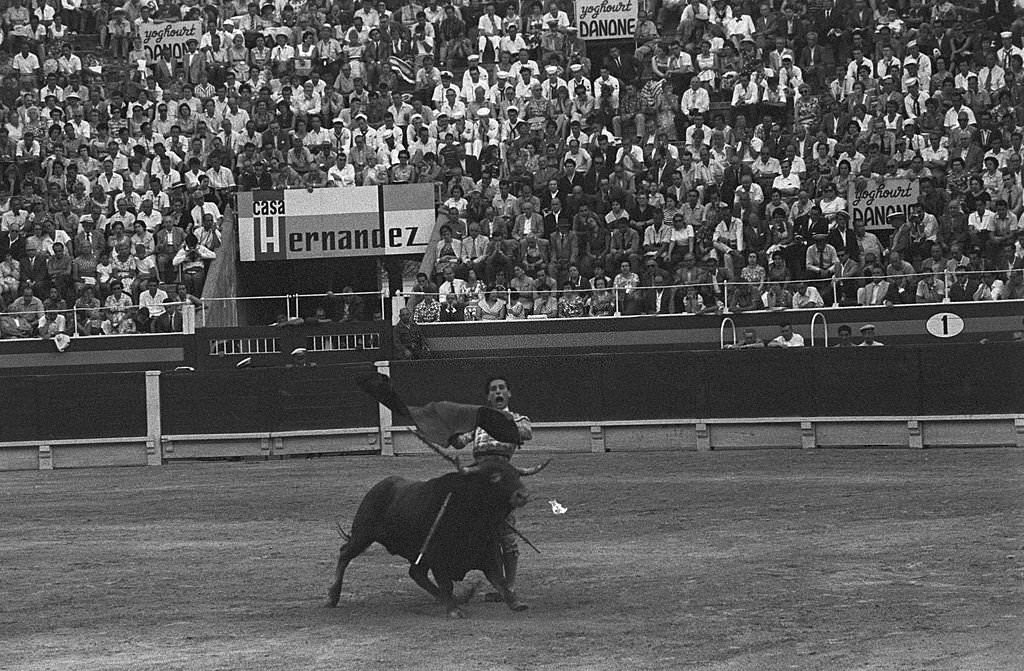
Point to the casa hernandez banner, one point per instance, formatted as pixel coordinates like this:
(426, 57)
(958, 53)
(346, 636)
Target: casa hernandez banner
(872, 201)
(335, 222)
(607, 19)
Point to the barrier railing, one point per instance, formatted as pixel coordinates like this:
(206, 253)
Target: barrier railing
(618, 301)
(81, 321)
(726, 295)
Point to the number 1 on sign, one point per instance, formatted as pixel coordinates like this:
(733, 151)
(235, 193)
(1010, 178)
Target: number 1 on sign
(945, 325)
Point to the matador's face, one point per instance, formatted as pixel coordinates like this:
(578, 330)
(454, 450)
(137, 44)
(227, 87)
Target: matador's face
(498, 394)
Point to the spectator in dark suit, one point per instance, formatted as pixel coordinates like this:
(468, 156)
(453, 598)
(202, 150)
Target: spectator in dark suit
(816, 62)
(621, 66)
(657, 299)
(34, 273)
(963, 289)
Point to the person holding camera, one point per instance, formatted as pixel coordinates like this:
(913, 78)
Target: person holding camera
(191, 261)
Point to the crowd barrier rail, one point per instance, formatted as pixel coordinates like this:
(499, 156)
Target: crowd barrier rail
(922, 397)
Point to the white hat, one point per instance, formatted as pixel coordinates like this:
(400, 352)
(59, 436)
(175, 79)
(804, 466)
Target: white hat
(512, 108)
(473, 58)
(787, 54)
(502, 74)
(909, 60)
(458, 114)
(415, 116)
(338, 120)
(1006, 35)
(360, 116)
(446, 73)
(229, 22)
(483, 112)
(551, 69)
(576, 67)
(912, 81)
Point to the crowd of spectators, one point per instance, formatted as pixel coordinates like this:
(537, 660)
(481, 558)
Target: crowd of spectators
(716, 146)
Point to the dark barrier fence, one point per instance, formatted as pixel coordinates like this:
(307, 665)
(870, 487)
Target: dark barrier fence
(66, 407)
(265, 399)
(848, 382)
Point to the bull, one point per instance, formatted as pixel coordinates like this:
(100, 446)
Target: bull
(399, 514)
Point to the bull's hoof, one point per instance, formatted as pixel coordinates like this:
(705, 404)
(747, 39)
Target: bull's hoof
(331, 603)
(456, 614)
(492, 597)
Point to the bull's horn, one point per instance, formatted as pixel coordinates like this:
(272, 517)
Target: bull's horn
(533, 470)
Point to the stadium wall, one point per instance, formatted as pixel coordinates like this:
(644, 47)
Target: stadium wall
(910, 396)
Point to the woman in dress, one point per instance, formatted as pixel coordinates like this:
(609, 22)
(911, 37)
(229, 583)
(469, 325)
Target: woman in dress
(602, 302)
(491, 307)
(571, 304)
(753, 273)
(682, 239)
(831, 202)
(457, 200)
(10, 277)
(238, 55)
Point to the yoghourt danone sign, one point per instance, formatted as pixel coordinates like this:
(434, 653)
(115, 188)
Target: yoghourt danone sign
(173, 34)
(872, 201)
(607, 19)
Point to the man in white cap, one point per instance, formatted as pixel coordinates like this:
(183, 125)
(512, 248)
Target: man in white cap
(494, 94)
(474, 76)
(549, 87)
(577, 79)
(439, 95)
(1008, 49)
(914, 101)
(867, 332)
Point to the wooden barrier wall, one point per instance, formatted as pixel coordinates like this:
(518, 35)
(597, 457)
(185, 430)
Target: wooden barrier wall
(920, 396)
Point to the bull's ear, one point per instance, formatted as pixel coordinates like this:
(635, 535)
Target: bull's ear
(495, 478)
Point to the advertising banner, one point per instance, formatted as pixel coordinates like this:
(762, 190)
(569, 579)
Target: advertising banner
(173, 34)
(335, 222)
(607, 19)
(872, 202)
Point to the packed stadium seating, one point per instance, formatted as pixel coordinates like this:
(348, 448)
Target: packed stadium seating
(703, 164)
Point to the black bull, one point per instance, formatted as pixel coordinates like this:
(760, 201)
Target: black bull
(398, 514)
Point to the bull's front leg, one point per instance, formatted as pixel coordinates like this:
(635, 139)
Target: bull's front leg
(418, 573)
(446, 589)
(496, 576)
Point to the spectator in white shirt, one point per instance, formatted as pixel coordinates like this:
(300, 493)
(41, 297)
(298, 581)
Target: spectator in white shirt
(341, 173)
(787, 338)
(151, 307)
(695, 98)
